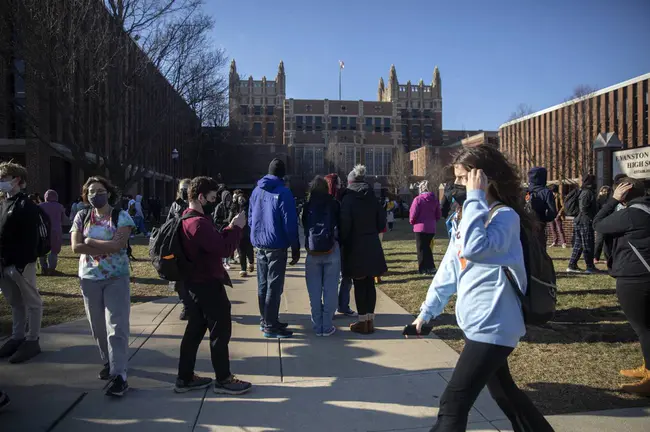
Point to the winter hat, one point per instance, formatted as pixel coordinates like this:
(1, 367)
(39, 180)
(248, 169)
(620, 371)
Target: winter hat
(358, 174)
(588, 180)
(277, 168)
(424, 187)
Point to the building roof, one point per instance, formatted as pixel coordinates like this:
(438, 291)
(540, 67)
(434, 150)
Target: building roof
(569, 102)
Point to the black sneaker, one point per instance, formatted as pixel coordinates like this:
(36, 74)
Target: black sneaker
(26, 351)
(232, 386)
(4, 400)
(10, 347)
(105, 373)
(196, 383)
(280, 325)
(183, 315)
(118, 387)
(282, 333)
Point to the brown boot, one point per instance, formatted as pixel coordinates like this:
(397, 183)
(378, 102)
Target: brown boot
(377, 280)
(371, 323)
(639, 372)
(360, 326)
(641, 388)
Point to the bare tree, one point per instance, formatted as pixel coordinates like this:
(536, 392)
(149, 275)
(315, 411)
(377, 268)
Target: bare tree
(434, 170)
(400, 170)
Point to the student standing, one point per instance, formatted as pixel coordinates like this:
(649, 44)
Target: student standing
(583, 233)
(604, 194)
(56, 212)
(176, 211)
(488, 309)
(424, 215)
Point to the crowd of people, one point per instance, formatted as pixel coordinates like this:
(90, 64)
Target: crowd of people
(485, 264)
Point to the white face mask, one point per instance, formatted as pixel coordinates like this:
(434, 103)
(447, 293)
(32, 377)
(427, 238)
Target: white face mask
(6, 186)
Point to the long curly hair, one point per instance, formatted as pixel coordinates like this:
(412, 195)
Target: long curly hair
(504, 179)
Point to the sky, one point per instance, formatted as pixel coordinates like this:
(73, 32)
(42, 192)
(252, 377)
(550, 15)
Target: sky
(493, 54)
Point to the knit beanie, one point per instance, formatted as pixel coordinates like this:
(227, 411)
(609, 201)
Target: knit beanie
(358, 174)
(277, 168)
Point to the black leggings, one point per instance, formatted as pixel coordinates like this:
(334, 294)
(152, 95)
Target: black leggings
(634, 297)
(365, 294)
(246, 252)
(482, 364)
(425, 254)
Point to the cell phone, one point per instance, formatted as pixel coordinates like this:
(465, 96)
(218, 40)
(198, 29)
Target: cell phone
(410, 330)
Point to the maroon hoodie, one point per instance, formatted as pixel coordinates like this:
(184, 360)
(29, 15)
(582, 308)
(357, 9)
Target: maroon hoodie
(205, 247)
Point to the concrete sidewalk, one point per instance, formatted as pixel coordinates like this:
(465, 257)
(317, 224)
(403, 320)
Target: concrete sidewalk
(344, 383)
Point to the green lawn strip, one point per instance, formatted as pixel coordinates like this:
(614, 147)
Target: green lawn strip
(570, 365)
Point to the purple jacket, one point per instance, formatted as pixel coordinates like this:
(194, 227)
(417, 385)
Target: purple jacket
(56, 212)
(425, 213)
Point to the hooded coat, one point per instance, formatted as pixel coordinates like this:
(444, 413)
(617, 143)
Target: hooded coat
(222, 211)
(272, 215)
(56, 212)
(362, 219)
(425, 213)
(543, 201)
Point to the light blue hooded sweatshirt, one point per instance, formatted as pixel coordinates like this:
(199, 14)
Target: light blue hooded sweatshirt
(487, 307)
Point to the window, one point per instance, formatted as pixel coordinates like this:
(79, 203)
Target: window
(257, 129)
(269, 110)
(334, 123)
(319, 161)
(378, 162)
(344, 123)
(427, 113)
(349, 158)
(415, 131)
(370, 161)
(388, 155)
(258, 84)
(386, 125)
(270, 129)
(243, 84)
(309, 160)
(377, 124)
(299, 163)
(428, 131)
(310, 123)
(19, 78)
(368, 124)
(405, 131)
(299, 123)
(318, 120)
(353, 123)
(417, 105)
(243, 109)
(415, 113)
(258, 110)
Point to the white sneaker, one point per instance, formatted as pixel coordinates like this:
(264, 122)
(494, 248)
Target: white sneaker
(226, 266)
(243, 274)
(329, 332)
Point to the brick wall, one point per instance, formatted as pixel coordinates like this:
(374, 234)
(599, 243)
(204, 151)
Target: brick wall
(567, 224)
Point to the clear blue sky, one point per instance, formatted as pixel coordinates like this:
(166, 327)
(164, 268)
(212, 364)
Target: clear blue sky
(492, 54)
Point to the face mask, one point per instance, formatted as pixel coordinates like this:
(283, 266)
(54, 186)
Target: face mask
(459, 194)
(184, 194)
(242, 201)
(6, 186)
(99, 201)
(208, 207)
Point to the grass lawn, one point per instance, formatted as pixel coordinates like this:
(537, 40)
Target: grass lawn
(62, 295)
(569, 365)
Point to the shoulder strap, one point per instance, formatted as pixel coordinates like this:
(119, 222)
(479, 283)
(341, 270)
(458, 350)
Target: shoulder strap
(492, 211)
(85, 216)
(115, 215)
(641, 207)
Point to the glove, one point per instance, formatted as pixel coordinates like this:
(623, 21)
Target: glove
(295, 256)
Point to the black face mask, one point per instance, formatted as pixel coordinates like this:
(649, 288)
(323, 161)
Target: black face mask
(184, 194)
(208, 207)
(459, 194)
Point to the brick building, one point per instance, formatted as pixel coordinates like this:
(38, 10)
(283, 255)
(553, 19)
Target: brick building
(133, 128)
(596, 132)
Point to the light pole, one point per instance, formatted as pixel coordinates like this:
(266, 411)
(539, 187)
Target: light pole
(174, 163)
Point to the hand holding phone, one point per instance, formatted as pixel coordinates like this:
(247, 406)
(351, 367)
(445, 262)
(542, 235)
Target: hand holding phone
(412, 330)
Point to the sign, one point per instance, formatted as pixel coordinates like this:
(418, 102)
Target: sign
(633, 163)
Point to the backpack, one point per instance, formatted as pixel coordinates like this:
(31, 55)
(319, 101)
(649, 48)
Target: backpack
(572, 203)
(44, 244)
(132, 210)
(320, 227)
(166, 250)
(539, 303)
(115, 217)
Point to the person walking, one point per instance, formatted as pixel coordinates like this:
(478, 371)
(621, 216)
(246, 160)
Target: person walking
(604, 194)
(335, 189)
(245, 250)
(540, 201)
(557, 229)
(320, 221)
(176, 212)
(362, 219)
(485, 244)
(19, 237)
(207, 302)
(628, 232)
(138, 215)
(424, 215)
(100, 236)
(583, 231)
(220, 216)
(56, 212)
(274, 228)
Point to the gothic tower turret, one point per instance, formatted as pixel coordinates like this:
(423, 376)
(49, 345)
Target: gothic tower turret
(393, 84)
(380, 90)
(281, 80)
(437, 83)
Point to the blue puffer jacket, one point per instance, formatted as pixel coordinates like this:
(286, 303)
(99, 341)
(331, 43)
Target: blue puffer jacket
(272, 215)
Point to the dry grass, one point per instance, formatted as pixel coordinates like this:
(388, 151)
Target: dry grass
(62, 297)
(571, 364)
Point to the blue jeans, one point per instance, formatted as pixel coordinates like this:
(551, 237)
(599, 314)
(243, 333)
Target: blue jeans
(322, 277)
(344, 294)
(49, 262)
(139, 224)
(271, 267)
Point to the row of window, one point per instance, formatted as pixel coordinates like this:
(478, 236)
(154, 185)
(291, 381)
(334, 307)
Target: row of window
(416, 131)
(373, 124)
(257, 129)
(258, 84)
(426, 89)
(311, 160)
(257, 110)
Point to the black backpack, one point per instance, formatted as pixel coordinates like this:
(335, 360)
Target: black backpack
(166, 250)
(572, 203)
(539, 302)
(44, 245)
(319, 227)
(115, 217)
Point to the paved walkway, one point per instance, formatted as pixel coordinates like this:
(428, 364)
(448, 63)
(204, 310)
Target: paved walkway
(343, 383)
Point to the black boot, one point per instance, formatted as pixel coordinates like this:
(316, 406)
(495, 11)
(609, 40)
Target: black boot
(183, 316)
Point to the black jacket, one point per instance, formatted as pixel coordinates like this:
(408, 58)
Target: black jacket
(543, 202)
(362, 219)
(321, 201)
(19, 222)
(447, 200)
(621, 228)
(588, 205)
(222, 212)
(177, 208)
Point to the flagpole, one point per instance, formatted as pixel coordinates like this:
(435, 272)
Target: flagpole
(340, 69)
